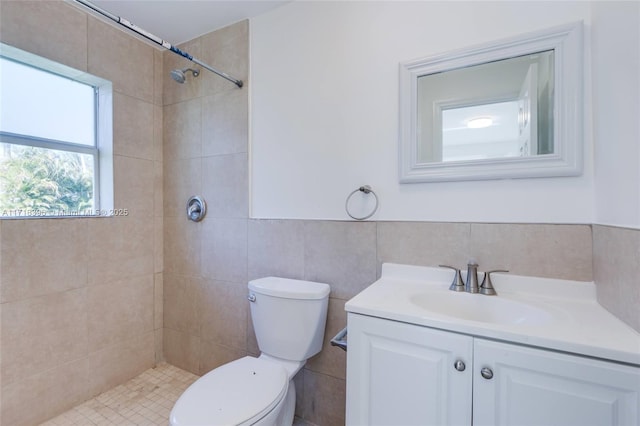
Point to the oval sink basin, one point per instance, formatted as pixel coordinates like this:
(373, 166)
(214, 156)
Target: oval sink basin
(477, 307)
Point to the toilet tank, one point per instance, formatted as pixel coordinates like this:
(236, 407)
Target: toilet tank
(289, 316)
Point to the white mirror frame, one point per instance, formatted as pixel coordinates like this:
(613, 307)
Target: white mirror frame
(566, 41)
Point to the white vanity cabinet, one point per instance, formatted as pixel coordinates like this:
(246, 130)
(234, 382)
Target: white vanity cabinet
(404, 374)
(532, 386)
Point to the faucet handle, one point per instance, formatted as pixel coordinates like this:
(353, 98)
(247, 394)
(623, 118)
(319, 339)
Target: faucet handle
(487, 286)
(457, 284)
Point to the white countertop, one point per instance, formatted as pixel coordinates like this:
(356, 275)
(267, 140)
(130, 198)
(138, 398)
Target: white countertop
(573, 321)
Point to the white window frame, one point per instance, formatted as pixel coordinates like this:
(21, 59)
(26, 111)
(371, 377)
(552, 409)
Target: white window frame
(102, 150)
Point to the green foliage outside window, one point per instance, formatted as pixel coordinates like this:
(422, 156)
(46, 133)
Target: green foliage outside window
(45, 180)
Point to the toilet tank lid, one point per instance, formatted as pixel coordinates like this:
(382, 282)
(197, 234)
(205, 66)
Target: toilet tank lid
(290, 289)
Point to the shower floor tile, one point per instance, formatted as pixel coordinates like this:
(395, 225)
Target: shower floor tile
(144, 400)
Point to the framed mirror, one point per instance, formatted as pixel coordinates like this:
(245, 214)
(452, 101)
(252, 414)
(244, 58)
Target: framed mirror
(508, 109)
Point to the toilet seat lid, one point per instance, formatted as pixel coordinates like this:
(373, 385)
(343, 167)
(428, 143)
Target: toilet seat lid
(233, 394)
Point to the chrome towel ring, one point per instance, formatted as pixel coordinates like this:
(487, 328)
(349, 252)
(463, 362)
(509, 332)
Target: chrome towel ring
(367, 190)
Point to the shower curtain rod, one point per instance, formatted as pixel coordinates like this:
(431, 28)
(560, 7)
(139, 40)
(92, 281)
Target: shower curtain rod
(157, 40)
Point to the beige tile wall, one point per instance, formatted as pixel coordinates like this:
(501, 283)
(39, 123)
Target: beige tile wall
(81, 298)
(205, 153)
(616, 270)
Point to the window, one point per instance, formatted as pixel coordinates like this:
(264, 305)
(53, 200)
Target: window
(55, 139)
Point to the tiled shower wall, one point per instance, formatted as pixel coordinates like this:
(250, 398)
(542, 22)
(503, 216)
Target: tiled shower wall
(205, 153)
(81, 298)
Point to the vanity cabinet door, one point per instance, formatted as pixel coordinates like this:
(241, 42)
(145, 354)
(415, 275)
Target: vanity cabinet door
(402, 374)
(538, 387)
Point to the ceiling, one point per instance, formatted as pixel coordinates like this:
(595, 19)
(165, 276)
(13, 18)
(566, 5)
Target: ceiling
(177, 21)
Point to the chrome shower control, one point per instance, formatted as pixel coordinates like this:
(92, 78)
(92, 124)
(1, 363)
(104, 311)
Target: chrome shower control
(486, 373)
(459, 365)
(196, 209)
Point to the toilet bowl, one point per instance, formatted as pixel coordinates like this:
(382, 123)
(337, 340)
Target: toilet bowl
(289, 319)
(248, 391)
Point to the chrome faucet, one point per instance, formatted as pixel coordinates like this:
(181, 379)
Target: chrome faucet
(471, 285)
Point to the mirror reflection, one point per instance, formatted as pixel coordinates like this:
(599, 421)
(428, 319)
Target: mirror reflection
(493, 110)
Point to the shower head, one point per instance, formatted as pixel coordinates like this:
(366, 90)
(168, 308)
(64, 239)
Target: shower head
(179, 75)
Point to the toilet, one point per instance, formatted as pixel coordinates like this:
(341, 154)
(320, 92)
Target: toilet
(289, 318)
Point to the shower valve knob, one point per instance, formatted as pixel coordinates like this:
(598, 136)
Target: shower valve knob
(196, 209)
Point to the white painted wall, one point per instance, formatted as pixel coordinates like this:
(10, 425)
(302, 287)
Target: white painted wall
(616, 112)
(324, 111)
